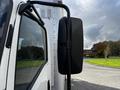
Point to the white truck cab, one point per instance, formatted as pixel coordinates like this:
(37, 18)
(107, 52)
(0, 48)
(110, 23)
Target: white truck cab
(38, 46)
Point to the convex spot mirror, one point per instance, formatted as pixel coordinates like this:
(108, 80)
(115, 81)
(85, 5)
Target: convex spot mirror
(76, 46)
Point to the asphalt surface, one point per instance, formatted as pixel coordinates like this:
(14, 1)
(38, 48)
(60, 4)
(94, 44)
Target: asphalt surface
(96, 78)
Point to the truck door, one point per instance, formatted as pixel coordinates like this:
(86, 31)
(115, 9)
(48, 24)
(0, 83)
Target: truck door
(31, 69)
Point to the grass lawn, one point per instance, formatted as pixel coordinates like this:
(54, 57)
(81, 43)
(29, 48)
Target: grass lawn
(110, 62)
(29, 64)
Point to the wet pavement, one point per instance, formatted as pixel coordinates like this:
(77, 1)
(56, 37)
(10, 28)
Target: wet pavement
(83, 85)
(96, 78)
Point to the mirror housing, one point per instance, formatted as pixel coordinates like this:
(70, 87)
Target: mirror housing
(76, 46)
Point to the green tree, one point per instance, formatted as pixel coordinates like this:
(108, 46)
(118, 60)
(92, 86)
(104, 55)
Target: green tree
(107, 48)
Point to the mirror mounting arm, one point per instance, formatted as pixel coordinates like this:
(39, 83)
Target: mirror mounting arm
(28, 7)
(24, 7)
(53, 5)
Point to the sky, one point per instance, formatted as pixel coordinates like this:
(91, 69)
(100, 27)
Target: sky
(101, 19)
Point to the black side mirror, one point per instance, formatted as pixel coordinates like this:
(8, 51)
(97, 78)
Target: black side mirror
(76, 46)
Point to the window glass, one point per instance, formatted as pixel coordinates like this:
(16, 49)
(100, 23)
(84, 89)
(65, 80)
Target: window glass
(3, 15)
(31, 53)
(4, 19)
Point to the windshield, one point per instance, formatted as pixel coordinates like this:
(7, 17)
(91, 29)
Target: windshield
(4, 20)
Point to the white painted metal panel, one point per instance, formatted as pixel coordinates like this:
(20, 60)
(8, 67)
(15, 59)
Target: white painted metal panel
(12, 58)
(42, 80)
(3, 68)
(5, 57)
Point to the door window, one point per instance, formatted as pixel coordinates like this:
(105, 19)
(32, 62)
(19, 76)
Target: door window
(5, 14)
(31, 53)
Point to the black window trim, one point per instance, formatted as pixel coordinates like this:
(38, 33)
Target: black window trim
(29, 87)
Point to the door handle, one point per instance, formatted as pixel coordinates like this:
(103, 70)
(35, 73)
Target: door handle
(48, 85)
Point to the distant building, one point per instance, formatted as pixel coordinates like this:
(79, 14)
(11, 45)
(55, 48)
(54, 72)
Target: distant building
(89, 53)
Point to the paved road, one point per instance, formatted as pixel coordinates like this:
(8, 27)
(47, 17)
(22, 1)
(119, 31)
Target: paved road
(96, 78)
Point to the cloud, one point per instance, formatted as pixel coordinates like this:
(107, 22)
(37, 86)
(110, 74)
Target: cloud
(118, 4)
(93, 31)
(91, 34)
(101, 19)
